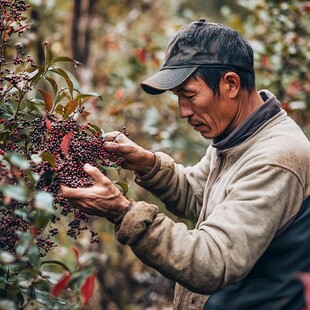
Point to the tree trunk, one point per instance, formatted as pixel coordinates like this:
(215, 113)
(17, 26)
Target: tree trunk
(83, 14)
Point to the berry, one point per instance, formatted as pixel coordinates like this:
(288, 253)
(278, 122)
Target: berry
(50, 136)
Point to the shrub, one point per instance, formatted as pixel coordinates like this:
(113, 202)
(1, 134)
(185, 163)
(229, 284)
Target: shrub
(43, 145)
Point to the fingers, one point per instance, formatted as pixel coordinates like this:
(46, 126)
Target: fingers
(75, 193)
(117, 148)
(95, 174)
(110, 136)
(72, 193)
(98, 177)
(117, 137)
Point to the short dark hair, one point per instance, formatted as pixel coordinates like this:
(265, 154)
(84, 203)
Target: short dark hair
(212, 77)
(232, 48)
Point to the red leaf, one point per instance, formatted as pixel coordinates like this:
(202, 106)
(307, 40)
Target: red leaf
(306, 7)
(33, 230)
(119, 94)
(70, 107)
(88, 288)
(140, 54)
(48, 124)
(62, 284)
(305, 278)
(77, 255)
(65, 142)
(48, 100)
(76, 252)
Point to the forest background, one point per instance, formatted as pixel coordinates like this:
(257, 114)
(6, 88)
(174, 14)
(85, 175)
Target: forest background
(120, 43)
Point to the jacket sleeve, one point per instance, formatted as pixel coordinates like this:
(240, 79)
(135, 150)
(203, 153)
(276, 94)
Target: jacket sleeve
(227, 244)
(180, 188)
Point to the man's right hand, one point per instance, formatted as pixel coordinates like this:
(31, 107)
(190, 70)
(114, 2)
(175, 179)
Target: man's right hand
(135, 157)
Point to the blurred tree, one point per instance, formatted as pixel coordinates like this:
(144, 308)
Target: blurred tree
(279, 33)
(81, 29)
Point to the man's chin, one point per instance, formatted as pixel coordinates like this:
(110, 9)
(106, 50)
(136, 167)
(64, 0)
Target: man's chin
(207, 135)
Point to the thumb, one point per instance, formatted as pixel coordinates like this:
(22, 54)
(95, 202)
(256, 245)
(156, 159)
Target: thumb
(94, 173)
(120, 149)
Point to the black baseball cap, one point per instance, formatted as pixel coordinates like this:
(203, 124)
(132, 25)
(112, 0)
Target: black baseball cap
(185, 53)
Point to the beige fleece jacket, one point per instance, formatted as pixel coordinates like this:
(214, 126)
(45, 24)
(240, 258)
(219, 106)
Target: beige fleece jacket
(239, 199)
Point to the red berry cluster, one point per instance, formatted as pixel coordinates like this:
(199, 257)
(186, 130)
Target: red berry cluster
(14, 8)
(10, 221)
(64, 146)
(11, 21)
(9, 224)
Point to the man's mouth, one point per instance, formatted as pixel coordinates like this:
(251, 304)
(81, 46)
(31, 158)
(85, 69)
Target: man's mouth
(195, 125)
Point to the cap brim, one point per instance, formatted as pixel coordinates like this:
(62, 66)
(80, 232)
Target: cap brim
(166, 79)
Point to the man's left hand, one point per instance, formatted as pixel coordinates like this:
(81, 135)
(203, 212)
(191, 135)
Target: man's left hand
(102, 199)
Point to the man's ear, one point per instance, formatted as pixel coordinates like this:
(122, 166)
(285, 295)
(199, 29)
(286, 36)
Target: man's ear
(232, 84)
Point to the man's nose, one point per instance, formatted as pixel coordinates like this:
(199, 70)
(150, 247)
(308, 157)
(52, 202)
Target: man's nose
(185, 109)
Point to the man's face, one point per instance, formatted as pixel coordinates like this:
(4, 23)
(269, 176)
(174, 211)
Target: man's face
(209, 115)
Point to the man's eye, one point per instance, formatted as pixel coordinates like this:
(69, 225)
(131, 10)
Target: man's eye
(190, 97)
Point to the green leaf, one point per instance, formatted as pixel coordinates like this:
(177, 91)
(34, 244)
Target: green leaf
(65, 74)
(33, 177)
(35, 75)
(88, 258)
(7, 304)
(82, 98)
(3, 273)
(34, 256)
(16, 160)
(76, 84)
(6, 258)
(33, 72)
(24, 242)
(48, 54)
(122, 186)
(24, 133)
(44, 209)
(17, 192)
(65, 58)
(28, 273)
(50, 158)
(36, 159)
(37, 105)
(22, 213)
(104, 167)
(53, 84)
(40, 219)
(97, 129)
(44, 201)
(62, 94)
(7, 111)
(78, 277)
(55, 262)
(92, 130)
(51, 302)
(36, 101)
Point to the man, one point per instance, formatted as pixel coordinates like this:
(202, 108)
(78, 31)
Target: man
(247, 195)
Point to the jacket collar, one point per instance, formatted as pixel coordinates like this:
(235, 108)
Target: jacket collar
(266, 111)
